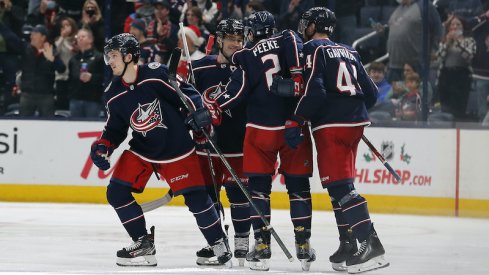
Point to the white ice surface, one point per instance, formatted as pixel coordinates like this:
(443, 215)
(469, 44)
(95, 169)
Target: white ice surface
(38, 238)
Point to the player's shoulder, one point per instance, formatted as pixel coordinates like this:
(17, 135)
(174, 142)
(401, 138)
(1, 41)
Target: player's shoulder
(153, 70)
(206, 61)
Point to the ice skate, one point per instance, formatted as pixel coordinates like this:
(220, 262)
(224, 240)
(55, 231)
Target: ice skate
(369, 256)
(223, 252)
(140, 253)
(305, 254)
(206, 257)
(241, 245)
(260, 255)
(346, 250)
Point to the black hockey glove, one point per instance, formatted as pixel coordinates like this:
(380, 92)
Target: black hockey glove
(199, 119)
(293, 131)
(282, 86)
(100, 153)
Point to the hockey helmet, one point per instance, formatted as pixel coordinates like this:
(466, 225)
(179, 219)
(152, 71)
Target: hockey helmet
(323, 18)
(261, 24)
(229, 27)
(126, 44)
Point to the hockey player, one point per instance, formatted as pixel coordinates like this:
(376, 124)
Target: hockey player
(269, 55)
(337, 95)
(229, 135)
(140, 98)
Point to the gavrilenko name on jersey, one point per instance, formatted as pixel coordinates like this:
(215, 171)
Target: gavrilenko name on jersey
(341, 52)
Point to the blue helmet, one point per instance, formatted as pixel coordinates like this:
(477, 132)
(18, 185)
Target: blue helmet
(126, 43)
(323, 18)
(261, 24)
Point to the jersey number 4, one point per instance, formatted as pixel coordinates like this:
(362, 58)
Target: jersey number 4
(344, 83)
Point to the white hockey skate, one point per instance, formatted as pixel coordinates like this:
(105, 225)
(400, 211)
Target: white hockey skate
(140, 253)
(241, 246)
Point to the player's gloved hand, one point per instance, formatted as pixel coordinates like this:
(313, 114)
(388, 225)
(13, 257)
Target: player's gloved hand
(100, 153)
(296, 76)
(201, 141)
(215, 112)
(199, 119)
(288, 87)
(293, 131)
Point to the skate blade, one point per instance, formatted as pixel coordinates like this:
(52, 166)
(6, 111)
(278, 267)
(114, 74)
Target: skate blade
(260, 265)
(339, 266)
(149, 260)
(374, 263)
(208, 261)
(241, 262)
(306, 264)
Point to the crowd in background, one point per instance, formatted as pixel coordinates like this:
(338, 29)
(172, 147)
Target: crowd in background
(51, 51)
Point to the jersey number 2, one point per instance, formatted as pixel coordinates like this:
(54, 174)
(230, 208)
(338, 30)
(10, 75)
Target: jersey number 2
(273, 70)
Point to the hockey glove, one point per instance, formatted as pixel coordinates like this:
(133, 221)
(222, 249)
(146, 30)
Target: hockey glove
(215, 111)
(288, 87)
(100, 153)
(201, 141)
(296, 76)
(293, 131)
(199, 119)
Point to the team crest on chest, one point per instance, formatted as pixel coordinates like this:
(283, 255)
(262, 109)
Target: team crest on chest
(154, 65)
(147, 117)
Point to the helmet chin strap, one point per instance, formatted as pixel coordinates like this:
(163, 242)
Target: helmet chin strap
(125, 66)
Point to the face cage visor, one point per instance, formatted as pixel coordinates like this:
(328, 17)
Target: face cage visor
(107, 57)
(301, 28)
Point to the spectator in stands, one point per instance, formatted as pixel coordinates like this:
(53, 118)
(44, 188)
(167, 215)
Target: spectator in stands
(92, 19)
(465, 9)
(10, 47)
(404, 41)
(142, 10)
(409, 106)
(70, 8)
(480, 66)
(346, 19)
(376, 71)
(194, 41)
(163, 30)
(65, 47)
(44, 13)
(86, 77)
(291, 11)
(209, 10)
(454, 78)
(149, 50)
(39, 62)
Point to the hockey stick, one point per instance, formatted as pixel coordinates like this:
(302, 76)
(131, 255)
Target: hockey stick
(381, 158)
(173, 82)
(192, 80)
(152, 205)
(210, 44)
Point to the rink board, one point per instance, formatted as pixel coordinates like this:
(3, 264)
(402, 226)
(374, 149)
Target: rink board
(444, 171)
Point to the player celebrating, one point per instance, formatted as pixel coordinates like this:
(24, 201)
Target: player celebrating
(140, 98)
(229, 135)
(337, 94)
(269, 55)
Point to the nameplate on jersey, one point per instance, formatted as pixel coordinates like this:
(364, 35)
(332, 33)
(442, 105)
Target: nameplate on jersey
(265, 46)
(341, 52)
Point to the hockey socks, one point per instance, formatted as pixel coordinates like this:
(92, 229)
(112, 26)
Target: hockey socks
(354, 209)
(240, 211)
(128, 210)
(298, 189)
(260, 189)
(341, 222)
(200, 204)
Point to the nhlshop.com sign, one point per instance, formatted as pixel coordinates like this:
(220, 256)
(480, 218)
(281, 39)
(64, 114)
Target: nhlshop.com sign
(57, 153)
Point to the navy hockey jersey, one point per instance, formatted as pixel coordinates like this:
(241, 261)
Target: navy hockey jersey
(208, 73)
(152, 109)
(338, 89)
(257, 66)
